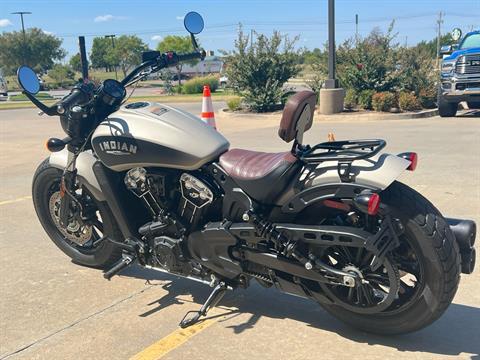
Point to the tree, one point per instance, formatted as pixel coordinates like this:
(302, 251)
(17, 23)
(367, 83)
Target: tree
(75, 63)
(61, 74)
(127, 52)
(261, 69)
(101, 47)
(430, 47)
(179, 44)
(371, 64)
(39, 52)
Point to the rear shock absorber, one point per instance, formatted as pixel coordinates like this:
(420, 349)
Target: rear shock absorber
(269, 232)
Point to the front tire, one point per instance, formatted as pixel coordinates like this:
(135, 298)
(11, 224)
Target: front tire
(45, 189)
(438, 253)
(445, 108)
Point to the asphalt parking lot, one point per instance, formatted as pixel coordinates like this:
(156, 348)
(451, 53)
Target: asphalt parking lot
(53, 309)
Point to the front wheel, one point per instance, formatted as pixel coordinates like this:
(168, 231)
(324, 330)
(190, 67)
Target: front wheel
(419, 278)
(445, 108)
(85, 239)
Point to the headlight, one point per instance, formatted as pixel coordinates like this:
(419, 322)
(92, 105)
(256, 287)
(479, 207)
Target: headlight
(447, 66)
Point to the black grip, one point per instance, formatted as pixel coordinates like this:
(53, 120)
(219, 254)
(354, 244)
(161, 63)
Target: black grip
(77, 96)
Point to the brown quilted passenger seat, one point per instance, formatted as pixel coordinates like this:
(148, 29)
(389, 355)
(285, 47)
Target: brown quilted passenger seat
(261, 175)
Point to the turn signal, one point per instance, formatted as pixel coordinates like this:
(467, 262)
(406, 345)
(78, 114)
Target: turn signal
(54, 144)
(367, 203)
(412, 157)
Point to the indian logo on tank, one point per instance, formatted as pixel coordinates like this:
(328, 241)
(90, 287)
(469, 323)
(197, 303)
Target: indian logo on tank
(114, 147)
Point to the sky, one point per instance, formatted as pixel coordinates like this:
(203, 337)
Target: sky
(415, 20)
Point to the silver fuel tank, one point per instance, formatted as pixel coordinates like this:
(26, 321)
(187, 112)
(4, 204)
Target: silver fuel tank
(149, 134)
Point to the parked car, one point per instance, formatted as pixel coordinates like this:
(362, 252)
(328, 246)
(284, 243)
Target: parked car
(223, 81)
(460, 75)
(3, 85)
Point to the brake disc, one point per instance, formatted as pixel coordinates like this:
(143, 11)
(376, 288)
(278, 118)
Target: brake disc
(76, 231)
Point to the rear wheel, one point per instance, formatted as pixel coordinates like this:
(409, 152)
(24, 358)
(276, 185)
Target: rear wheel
(84, 240)
(417, 281)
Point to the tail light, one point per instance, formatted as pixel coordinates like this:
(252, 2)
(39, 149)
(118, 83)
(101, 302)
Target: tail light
(412, 157)
(367, 203)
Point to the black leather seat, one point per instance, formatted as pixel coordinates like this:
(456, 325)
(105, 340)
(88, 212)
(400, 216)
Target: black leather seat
(264, 176)
(261, 175)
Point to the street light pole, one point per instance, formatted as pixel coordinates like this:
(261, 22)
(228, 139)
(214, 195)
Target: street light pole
(113, 46)
(331, 95)
(331, 82)
(21, 13)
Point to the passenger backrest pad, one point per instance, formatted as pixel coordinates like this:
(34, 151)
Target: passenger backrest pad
(297, 116)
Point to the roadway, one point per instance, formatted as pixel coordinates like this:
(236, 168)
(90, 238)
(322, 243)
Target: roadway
(53, 309)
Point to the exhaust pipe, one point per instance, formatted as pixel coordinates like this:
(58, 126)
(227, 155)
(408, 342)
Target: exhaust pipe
(465, 233)
(468, 261)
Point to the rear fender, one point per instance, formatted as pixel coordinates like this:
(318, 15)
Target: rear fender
(84, 165)
(374, 174)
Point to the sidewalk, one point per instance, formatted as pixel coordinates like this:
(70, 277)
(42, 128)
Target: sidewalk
(245, 121)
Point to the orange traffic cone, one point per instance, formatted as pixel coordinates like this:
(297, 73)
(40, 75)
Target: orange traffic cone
(207, 108)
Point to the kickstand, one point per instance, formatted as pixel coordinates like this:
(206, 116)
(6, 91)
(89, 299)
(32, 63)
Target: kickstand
(214, 298)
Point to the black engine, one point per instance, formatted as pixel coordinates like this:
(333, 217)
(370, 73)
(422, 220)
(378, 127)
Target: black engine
(177, 204)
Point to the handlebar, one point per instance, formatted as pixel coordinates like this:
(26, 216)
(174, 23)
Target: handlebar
(77, 96)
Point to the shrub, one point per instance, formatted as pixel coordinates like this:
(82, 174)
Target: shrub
(408, 102)
(383, 101)
(428, 97)
(364, 99)
(235, 103)
(350, 99)
(259, 69)
(195, 85)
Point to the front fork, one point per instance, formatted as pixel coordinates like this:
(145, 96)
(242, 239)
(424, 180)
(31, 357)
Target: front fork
(67, 184)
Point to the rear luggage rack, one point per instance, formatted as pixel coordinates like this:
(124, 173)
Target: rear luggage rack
(343, 151)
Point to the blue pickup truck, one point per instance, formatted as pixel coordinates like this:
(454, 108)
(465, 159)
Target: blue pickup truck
(460, 75)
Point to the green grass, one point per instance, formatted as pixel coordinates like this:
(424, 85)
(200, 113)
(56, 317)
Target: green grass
(41, 96)
(217, 96)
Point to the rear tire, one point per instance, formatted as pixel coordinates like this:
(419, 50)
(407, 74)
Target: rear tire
(445, 108)
(104, 254)
(439, 254)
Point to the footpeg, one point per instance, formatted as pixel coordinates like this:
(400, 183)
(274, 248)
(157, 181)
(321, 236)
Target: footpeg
(214, 298)
(127, 260)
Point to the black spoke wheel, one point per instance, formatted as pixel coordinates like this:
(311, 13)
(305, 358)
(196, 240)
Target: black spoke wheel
(376, 290)
(85, 238)
(427, 264)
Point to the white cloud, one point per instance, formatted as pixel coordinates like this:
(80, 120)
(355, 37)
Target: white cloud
(156, 37)
(179, 17)
(48, 32)
(108, 17)
(5, 22)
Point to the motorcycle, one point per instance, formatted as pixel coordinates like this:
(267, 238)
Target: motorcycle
(147, 183)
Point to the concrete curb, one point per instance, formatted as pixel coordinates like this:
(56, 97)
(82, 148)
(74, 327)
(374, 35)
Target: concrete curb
(344, 116)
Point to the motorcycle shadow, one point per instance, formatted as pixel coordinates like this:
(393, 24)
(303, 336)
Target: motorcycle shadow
(454, 333)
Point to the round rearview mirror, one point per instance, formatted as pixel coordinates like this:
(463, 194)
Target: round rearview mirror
(193, 22)
(28, 80)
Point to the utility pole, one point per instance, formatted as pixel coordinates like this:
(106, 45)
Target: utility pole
(113, 46)
(331, 95)
(356, 29)
(439, 33)
(21, 13)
